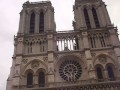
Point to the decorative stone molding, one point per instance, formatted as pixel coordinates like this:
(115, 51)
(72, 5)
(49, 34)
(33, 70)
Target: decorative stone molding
(45, 59)
(35, 64)
(103, 60)
(24, 61)
(93, 54)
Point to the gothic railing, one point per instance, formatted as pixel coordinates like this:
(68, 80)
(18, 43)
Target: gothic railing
(70, 40)
(100, 86)
(67, 41)
(99, 39)
(103, 84)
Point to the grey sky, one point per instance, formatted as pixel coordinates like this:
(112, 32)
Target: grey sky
(9, 21)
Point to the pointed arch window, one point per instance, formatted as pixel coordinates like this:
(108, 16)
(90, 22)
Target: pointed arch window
(87, 20)
(32, 22)
(41, 79)
(99, 73)
(41, 22)
(29, 80)
(95, 17)
(110, 73)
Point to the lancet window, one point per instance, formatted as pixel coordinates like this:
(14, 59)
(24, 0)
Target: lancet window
(95, 17)
(32, 23)
(110, 72)
(41, 22)
(99, 73)
(29, 80)
(87, 20)
(41, 79)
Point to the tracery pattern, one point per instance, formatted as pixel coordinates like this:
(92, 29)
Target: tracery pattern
(98, 40)
(35, 45)
(67, 42)
(70, 70)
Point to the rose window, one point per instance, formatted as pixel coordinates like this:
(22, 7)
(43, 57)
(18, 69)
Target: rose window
(70, 70)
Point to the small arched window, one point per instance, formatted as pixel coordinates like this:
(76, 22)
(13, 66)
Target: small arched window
(99, 73)
(32, 23)
(110, 73)
(41, 22)
(87, 20)
(41, 79)
(95, 17)
(29, 80)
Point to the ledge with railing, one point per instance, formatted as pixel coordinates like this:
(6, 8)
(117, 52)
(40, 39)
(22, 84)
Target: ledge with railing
(92, 84)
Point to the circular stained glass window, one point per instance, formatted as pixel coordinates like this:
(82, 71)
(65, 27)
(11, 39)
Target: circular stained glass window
(70, 70)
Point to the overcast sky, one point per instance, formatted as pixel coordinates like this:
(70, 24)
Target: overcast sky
(9, 21)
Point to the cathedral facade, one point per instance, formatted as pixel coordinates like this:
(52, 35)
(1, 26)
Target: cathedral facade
(85, 58)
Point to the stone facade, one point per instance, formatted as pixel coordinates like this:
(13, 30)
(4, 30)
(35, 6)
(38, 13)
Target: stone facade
(86, 58)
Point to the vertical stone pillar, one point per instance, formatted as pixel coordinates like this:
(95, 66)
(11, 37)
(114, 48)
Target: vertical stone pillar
(101, 17)
(27, 23)
(37, 22)
(16, 71)
(115, 43)
(90, 67)
(80, 42)
(19, 46)
(92, 22)
(79, 18)
(106, 74)
(50, 60)
(22, 23)
(49, 19)
(107, 18)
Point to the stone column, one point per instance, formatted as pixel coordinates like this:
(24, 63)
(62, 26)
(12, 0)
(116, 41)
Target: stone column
(50, 60)
(16, 71)
(27, 23)
(92, 22)
(22, 22)
(107, 18)
(101, 16)
(90, 66)
(19, 46)
(80, 42)
(116, 44)
(49, 19)
(106, 74)
(37, 22)
(79, 18)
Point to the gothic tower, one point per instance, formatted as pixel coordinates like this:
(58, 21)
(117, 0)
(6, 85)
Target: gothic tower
(86, 58)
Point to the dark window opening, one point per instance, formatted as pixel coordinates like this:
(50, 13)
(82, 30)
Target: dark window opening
(41, 22)
(95, 17)
(77, 43)
(110, 73)
(41, 79)
(87, 20)
(29, 80)
(99, 74)
(32, 23)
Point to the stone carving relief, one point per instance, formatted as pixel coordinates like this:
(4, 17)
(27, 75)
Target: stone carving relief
(35, 64)
(51, 71)
(45, 59)
(93, 54)
(24, 61)
(111, 53)
(103, 60)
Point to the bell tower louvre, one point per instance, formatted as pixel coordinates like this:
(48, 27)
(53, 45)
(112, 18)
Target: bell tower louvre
(85, 58)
